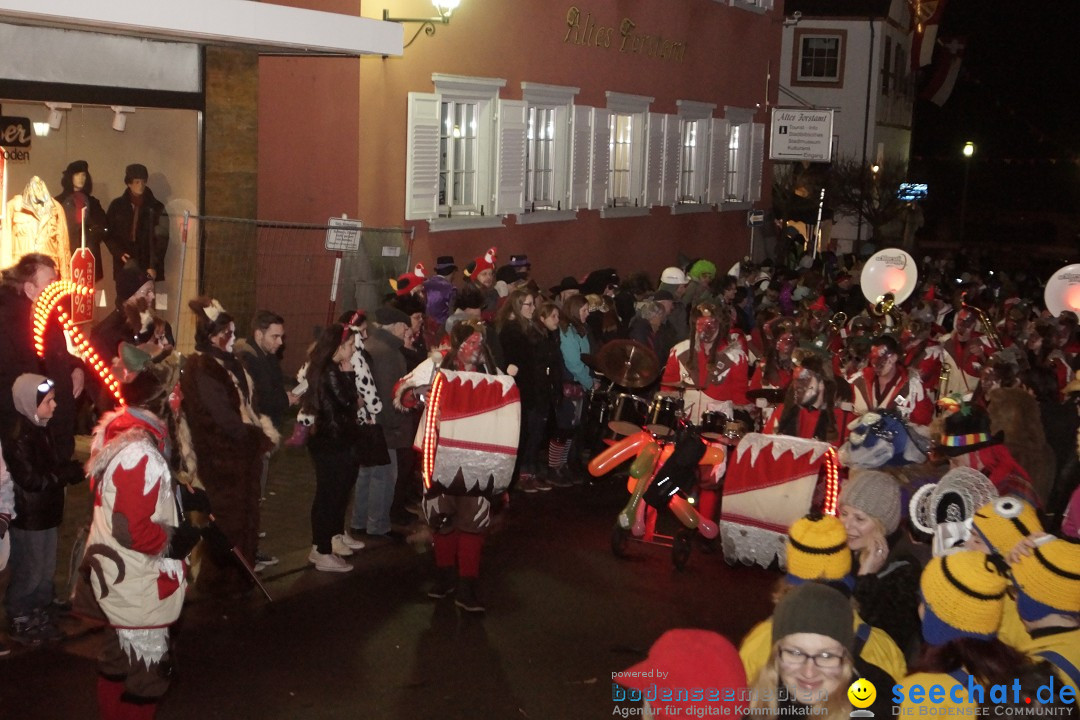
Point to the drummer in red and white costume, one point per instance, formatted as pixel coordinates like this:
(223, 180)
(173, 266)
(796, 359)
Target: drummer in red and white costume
(963, 352)
(809, 409)
(712, 365)
(885, 384)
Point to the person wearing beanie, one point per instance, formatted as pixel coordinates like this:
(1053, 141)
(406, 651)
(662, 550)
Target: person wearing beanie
(962, 602)
(131, 321)
(817, 553)
(682, 659)
(138, 226)
(75, 198)
(886, 584)
(1047, 581)
(39, 476)
(814, 657)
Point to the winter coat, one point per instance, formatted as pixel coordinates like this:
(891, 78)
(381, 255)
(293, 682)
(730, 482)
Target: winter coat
(135, 515)
(35, 223)
(521, 349)
(265, 371)
(573, 345)
(151, 233)
(39, 476)
(387, 367)
(95, 226)
(336, 424)
(17, 356)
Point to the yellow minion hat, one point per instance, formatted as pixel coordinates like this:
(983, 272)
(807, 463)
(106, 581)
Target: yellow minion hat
(964, 595)
(817, 550)
(1005, 521)
(1048, 580)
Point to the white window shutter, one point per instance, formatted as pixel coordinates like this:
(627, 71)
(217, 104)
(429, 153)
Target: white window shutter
(601, 158)
(581, 162)
(757, 159)
(718, 158)
(513, 124)
(422, 158)
(672, 160)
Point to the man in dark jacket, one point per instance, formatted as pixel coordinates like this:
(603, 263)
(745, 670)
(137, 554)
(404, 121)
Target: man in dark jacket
(375, 485)
(138, 226)
(22, 284)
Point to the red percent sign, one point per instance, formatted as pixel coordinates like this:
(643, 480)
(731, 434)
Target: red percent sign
(48, 302)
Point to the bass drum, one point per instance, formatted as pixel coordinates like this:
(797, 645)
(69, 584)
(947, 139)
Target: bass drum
(626, 416)
(664, 414)
(713, 424)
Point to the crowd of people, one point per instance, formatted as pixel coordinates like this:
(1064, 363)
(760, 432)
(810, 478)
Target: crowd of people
(971, 365)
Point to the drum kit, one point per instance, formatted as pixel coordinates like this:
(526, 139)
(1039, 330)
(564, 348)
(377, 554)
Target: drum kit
(613, 411)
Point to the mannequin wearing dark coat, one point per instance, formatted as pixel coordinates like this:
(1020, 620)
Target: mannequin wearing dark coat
(149, 241)
(73, 199)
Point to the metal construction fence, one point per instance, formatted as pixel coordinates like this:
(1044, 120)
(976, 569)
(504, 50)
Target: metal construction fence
(285, 267)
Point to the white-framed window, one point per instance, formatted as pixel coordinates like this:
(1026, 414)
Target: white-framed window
(745, 144)
(820, 57)
(549, 110)
(627, 147)
(693, 154)
(758, 6)
(452, 145)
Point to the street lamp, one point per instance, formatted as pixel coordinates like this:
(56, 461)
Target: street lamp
(969, 150)
(444, 8)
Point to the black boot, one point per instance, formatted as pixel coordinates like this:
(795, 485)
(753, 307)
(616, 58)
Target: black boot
(445, 580)
(466, 596)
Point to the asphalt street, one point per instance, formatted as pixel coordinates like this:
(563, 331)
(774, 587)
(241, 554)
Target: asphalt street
(563, 614)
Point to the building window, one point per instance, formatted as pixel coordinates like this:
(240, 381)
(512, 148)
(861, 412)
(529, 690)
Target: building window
(540, 158)
(452, 141)
(458, 159)
(738, 146)
(819, 57)
(693, 162)
(745, 156)
(627, 149)
(621, 177)
(689, 175)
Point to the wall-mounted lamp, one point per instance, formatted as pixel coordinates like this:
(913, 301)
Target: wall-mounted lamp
(56, 113)
(793, 20)
(444, 8)
(120, 113)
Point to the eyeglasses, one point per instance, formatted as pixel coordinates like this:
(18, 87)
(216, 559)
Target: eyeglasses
(797, 658)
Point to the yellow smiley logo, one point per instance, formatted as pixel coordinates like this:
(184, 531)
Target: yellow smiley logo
(862, 693)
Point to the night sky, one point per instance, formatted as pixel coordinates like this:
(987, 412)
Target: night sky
(1016, 99)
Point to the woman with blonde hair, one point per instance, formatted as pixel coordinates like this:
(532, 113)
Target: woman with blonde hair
(810, 666)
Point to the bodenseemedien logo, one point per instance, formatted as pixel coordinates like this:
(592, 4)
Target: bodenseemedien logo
(967, 697)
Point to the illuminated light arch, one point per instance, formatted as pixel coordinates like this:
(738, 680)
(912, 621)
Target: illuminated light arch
(832, 481)
(50, 300)
(431, 436)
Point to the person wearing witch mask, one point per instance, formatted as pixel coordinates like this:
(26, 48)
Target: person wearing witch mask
(964, 352)
(809, 408)
(229, 440)
(712, 366)
(885, 384)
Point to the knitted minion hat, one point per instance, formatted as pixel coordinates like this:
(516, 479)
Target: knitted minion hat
(876, 494)
(1048, 580)
(964, 595)
(817, 550)
(1004, 522)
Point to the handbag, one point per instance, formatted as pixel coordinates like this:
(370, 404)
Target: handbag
(572, 390)
(371, 446)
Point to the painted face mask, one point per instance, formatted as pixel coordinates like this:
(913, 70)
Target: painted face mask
(707, 328)
(808, 387)
(176, 397)
(881, 359)
(470, 348)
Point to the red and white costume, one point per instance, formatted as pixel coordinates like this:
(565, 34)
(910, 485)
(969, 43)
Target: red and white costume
(964, 366)
(704, 393)
(139, 591)
(905, 394)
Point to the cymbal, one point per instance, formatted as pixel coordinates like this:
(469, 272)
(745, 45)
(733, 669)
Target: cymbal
(628, 363)
(772, 396)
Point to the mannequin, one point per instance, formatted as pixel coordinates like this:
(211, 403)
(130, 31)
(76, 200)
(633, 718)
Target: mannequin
(138, 226)
(77, 188)
(35, 223)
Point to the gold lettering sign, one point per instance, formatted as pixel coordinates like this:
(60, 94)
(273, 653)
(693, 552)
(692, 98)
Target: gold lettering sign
(584, 30)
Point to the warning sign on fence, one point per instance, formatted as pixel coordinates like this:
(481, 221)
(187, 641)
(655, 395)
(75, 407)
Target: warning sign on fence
(343, 235)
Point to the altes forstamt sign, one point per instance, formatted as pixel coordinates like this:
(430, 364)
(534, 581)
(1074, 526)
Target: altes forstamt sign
(583, 29)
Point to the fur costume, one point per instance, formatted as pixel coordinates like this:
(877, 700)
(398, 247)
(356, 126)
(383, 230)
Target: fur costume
(1016, 413)
(35, 223)
(229, 459)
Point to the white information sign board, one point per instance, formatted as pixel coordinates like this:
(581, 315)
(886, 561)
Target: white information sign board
(343, 235)
(801, 134)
